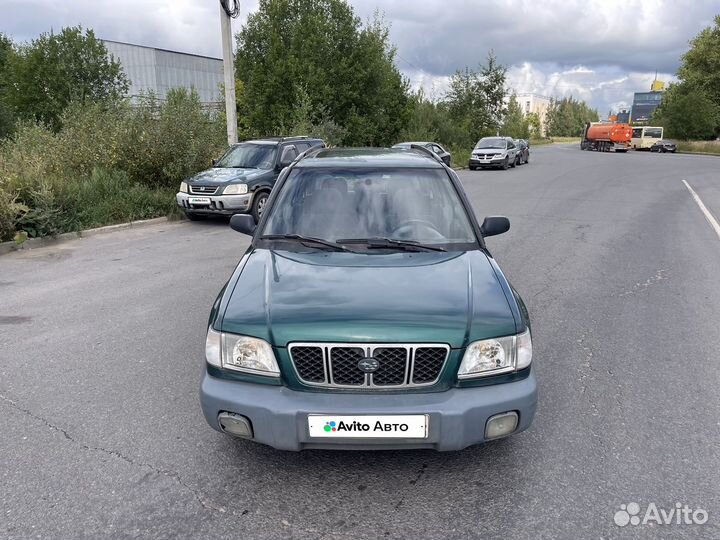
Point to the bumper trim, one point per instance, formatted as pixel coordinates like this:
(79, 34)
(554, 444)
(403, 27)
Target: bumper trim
(457, 417)
(219, 204)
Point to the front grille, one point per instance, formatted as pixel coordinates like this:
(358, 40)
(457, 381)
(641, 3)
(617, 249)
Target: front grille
(344, 366)
(336, 365)
(428, 363)
(203, 190)
(310, 363)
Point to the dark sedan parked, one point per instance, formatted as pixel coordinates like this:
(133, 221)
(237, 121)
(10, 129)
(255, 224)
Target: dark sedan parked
(664, 146)
(523, 154)
(433, 147)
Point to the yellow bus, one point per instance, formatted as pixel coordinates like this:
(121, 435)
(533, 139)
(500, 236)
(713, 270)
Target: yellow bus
(643, 137)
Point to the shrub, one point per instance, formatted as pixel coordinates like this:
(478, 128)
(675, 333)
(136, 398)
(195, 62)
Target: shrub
(111, 162)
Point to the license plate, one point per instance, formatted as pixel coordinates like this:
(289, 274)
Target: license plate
(199, 200)
(413, 426)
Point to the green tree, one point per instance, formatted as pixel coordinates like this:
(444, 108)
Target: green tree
(475, 99)
(687, 112)
(701, 64)
(423, 120)
(567, 117)
(317, 54)
(534, 125)
(515, 124)
(55, 70)
(7, 115)
(690, 109)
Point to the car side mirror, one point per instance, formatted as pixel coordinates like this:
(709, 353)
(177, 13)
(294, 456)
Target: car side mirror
(243, 223)
(214, 162)
(494, 225)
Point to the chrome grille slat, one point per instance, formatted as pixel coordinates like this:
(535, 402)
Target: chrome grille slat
(336, 364)
(203, 190)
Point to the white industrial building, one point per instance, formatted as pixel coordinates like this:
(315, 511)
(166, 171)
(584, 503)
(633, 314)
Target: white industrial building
(158, 70)
(534, 103)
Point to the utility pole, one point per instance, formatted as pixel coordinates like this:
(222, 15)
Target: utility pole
(229, 9)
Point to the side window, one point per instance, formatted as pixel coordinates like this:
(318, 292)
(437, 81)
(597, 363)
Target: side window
(437, 149)
(301, 147)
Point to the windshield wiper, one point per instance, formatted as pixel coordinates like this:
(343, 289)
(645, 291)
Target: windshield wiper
(306, 241)
(385, 243)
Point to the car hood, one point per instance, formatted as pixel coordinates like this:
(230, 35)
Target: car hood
(451, 298)
(219, 175)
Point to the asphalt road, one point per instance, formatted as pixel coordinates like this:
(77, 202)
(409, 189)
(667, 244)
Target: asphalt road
(101, 351)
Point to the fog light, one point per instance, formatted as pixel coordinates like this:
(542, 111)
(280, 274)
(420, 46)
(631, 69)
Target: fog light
(501, 425)
(235, 424)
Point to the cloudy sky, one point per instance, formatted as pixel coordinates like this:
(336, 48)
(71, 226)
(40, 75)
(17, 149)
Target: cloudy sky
(600, 51)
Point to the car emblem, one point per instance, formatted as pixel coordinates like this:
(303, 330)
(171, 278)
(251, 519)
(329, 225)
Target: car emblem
(368, 365)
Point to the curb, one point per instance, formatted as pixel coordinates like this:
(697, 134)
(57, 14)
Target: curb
(697, 153)
(31, 243)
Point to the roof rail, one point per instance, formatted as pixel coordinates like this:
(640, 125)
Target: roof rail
(310, 151)
(427, 152)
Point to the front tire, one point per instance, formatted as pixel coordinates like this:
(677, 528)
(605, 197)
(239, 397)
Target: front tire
(472, 167)
(258, 207)
(506, 164)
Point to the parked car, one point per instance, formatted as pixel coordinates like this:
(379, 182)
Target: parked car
(241, 180)
(433, 147)
(496, 152)
(523, 153)
(664, 146)
(368, 313)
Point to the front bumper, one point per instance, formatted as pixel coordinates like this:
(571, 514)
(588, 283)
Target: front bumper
(457, 417)
(224, 205)
(491, 162)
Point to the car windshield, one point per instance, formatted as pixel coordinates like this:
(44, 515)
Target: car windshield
(249, 156)
(491, 142)
(357, 205)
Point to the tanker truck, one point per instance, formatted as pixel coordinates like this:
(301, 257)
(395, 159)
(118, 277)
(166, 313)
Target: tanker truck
(604, 136)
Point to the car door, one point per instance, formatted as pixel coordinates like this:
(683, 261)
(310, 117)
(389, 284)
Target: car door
(511, 151)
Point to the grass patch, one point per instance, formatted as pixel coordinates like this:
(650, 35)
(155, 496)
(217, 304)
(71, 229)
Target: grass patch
(105, 197)
(460, 157)
(538, 142)
(709, 147)
(565, 139)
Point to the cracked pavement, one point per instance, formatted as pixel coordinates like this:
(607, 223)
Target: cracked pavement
(101, 344)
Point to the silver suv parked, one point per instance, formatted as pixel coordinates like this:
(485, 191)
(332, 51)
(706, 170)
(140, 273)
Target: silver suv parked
(497, 152)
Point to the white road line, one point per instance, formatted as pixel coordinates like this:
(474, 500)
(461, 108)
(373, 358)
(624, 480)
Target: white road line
(711, 219)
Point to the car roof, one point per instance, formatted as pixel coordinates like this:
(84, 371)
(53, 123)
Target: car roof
(368, 158)
(407, 144)
(278, 140)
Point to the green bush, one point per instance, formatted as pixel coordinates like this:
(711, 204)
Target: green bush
(109, 163)
(108, 196)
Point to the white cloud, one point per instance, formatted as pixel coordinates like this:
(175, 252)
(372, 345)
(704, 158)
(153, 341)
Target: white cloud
(599, 51)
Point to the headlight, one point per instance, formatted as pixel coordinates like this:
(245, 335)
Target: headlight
(494, 356)
(240, 353)
(183, 187)
(235, 189)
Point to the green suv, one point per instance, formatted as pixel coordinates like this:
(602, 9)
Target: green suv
(241, 180)
(368, 314)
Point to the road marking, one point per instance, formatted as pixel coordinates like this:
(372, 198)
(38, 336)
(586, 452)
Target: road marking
(711, 219)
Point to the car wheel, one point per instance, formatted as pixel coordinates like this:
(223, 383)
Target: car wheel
(472, 167)
(192, 216)
(662, 150)
(259, 203)
(506, 164)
